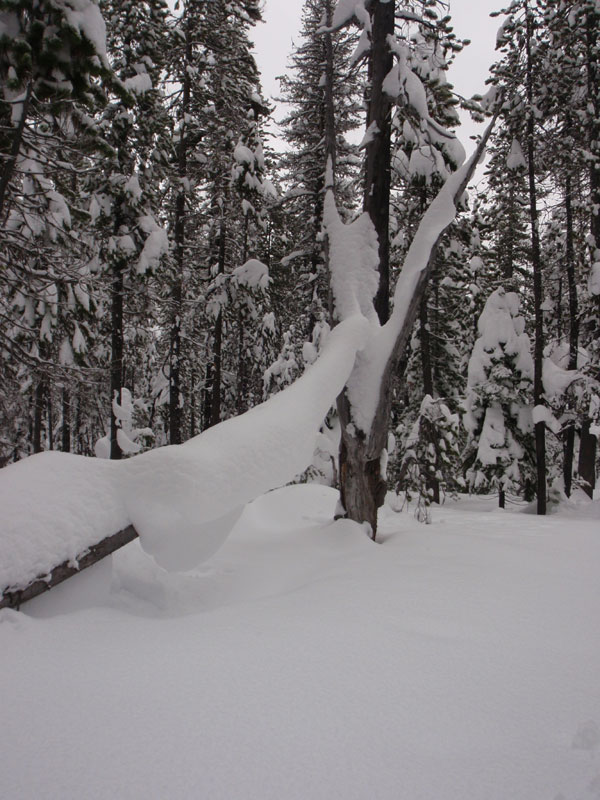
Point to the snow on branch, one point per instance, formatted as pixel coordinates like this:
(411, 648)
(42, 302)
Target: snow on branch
(377, 361)
(353, 260)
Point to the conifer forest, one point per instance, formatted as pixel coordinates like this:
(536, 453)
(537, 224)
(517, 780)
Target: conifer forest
(167, 263)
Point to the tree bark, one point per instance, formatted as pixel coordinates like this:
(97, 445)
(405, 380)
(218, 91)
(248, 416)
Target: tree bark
(116, 359)
(65, 431)
(378, 150)
(361, 454)
(38, 415)
(569, 444)
(15, 596)
(175, 389)
(431, 482)
(536, 260)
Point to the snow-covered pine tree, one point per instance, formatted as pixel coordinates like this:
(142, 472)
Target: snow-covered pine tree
(52, 62)
(519, 76)
(498, 411)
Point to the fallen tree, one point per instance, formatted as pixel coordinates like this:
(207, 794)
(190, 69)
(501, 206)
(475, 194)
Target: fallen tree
(15, 596)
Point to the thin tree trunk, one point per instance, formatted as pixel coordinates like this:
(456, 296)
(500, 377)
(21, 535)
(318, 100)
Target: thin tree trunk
(38, 415)
(49, 415)
(116, 360)
(431, 482)
(536, 259)
(175, 389)
(569, 445)
(65, 430)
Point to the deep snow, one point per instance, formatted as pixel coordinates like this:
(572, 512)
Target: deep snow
(455, 661)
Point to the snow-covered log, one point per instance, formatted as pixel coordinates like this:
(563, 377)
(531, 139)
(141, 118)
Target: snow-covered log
(15, 596)
(61, 512)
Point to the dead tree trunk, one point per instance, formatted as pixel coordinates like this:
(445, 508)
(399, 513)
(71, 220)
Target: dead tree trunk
(362, 484)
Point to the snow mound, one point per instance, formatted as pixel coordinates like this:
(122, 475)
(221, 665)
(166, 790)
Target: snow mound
(55, 506)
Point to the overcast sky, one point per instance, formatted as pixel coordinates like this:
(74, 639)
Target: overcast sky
(273, 40)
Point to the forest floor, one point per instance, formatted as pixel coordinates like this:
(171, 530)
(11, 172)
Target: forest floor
(453, 661)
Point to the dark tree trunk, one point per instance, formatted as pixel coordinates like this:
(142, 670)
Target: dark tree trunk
(536, 259)
(38, 415)
(216, 370)
(116, 360)
(175, 389)
(378, 151)
(587, 458)
(588, 443)
(215, 397)
(569, 444)
(65, 430)
(49, 416)
(427, 431)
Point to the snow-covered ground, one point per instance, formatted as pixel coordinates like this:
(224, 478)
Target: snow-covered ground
(455, 661)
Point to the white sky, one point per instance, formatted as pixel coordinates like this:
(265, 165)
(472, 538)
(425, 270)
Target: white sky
(470, 18)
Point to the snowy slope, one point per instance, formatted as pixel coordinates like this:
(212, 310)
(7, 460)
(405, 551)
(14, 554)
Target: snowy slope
(456, 661)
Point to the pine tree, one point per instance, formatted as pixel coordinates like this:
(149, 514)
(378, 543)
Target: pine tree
(498, 414)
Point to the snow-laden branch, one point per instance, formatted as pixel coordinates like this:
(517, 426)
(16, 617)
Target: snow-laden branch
(378, 360)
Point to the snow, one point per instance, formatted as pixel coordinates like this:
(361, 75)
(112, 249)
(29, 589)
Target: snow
(54, 506)
(455, 660)
(353, 262)
(253, 275)
(516, 159)
(345, 10)
(139, 84)
(544, 414)
(184, 499)
(156, 244)
(85, 17)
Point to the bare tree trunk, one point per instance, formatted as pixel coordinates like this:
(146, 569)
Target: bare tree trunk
(431, 482)
(49, 415)
(569, 445)
(536, 259)
(65, 430)
(38, 415)
(175, 410)
(116, 359)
